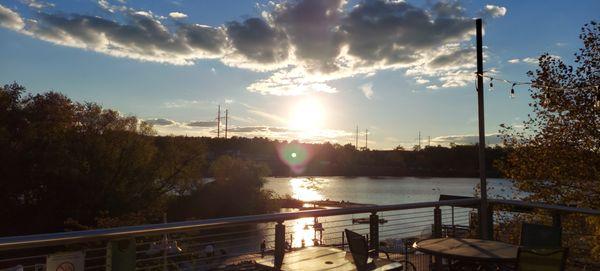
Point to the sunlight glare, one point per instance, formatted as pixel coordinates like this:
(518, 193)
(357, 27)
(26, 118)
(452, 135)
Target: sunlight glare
(304, 190)
(307, 114)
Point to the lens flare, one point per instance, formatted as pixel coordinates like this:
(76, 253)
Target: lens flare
(295, 156)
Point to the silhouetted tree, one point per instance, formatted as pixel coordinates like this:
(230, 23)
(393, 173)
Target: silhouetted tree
(235, 190)
(75, 165)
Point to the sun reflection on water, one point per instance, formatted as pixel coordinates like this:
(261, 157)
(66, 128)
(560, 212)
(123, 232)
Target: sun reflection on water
(305, 189)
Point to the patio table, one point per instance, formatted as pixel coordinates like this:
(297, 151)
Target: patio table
(469, 250)
(320, 258)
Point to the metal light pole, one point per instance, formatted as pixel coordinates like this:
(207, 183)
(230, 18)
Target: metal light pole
(485, 225)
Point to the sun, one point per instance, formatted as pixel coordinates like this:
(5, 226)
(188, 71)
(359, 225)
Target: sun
(307, 114)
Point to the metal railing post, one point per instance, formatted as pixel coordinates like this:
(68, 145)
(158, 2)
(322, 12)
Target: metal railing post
(437, 222)
(374, 233)
(437, 233)
(490, 221)
(556, 220)
(279, 245)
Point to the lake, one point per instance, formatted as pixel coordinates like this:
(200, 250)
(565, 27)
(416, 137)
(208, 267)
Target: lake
(381, 190)
(384, 190)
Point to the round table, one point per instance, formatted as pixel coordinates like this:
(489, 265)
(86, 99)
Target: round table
(476, 250)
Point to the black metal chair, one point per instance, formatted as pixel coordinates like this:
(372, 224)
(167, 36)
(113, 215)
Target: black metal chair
(540, 236)
(540, 259)
(364, 259)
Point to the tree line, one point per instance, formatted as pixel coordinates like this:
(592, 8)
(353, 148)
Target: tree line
(332, 159)
(66, 165)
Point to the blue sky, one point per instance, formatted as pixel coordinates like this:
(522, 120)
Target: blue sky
(308, 70)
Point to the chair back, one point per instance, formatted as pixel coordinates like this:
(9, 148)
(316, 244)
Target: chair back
(358, 248)
(540, 236)
(531, 259)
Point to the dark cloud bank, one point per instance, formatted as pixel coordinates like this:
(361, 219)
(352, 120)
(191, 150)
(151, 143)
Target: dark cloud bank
(313, 37)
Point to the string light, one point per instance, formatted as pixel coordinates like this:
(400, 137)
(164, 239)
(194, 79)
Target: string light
(597, 104)
(518, 83)
(512, 91)
(546, 99)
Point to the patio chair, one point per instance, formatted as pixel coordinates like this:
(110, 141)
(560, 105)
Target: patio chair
(531, 259)
(540, 236)
(363, 257)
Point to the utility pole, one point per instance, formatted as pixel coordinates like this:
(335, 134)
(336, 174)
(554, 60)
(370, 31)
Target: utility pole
(226, 119)
(485, 223)
(366, 139)
(428, 141)
(356, 143)
(219, 121)
(419, 140)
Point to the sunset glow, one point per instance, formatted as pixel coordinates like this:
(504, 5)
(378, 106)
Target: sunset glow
(307, 115)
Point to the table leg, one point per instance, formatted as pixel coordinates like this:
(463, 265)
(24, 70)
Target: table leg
(438, 263)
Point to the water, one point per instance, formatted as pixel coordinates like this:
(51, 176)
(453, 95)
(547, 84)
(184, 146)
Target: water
(386, 190)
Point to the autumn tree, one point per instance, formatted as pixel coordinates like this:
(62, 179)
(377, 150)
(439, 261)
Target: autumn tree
(555, 158)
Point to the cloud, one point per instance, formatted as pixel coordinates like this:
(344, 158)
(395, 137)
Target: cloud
(561, 44)
(159, 122)
(266, 115)
(390, 33)
(202, 124)
(177, 15)
(495, 11)
(526, 60)
(37, 4)
(272, 132)
(303, 44)
(452, 58)
(312, 28)
(530, 60)
(421, 80)
(144, 38)
(187, 104)
(367, 90)
(490, 139)
(248, 129)
(10, 19)
(257, 41)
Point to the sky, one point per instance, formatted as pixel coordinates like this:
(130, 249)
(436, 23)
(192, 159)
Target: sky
(306, 70)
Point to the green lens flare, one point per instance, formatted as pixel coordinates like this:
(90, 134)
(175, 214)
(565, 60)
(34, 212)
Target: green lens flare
(295, 156)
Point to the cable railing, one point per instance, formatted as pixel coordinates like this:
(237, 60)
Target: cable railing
(228, 243)
(218, 243)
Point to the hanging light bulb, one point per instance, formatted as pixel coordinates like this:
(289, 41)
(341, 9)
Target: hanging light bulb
(512, 91)
(597, 103)
(491, 84)
(546, 100)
